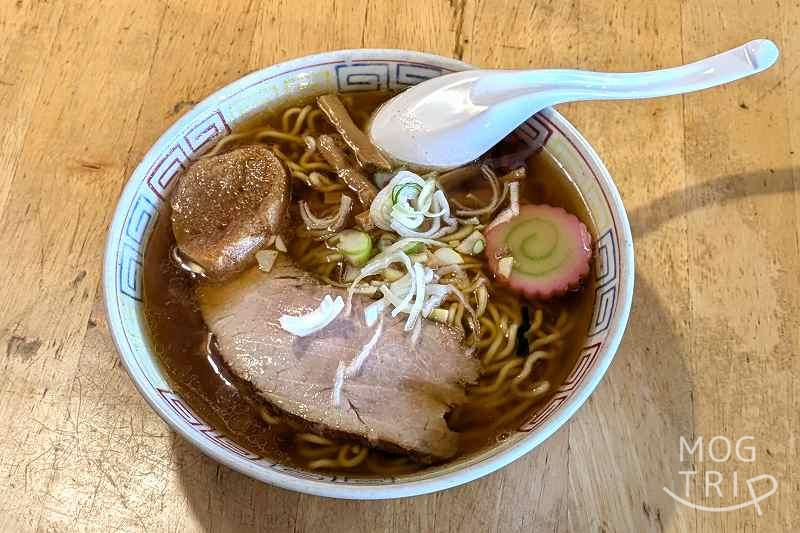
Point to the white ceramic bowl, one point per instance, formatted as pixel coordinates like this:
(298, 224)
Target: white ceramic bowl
(142, 203)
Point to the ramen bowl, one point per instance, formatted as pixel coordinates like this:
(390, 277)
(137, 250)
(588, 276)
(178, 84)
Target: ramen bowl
(144, 204)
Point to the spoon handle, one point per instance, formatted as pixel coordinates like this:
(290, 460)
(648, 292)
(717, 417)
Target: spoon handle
(561, 85)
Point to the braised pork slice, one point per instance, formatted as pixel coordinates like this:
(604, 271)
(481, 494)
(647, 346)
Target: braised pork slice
(225, 207)
(399, 398)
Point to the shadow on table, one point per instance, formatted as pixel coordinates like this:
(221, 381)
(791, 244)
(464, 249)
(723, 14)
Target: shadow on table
(722, 191)
(627, 433)
(645, 403)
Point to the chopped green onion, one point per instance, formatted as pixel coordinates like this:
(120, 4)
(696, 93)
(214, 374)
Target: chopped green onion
(448, 256)
(473, 244)
(356, 246)
(266, 259)
(407, 202)
(439, 315)
(392, 274)
(405, 191)
(461, 233)
(505, 266)
(415, 248)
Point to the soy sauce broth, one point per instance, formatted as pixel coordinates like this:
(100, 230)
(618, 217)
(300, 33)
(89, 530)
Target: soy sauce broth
(195, 371)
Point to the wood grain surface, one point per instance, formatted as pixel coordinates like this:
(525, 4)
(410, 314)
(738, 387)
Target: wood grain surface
(710, 181)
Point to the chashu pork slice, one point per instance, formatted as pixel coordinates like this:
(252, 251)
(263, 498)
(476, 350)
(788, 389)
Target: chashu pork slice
(400, 397)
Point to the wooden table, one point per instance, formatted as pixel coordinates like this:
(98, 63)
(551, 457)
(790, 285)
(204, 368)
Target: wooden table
(710, 181)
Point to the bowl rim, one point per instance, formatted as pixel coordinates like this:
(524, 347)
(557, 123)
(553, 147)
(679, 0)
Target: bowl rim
(401, 488)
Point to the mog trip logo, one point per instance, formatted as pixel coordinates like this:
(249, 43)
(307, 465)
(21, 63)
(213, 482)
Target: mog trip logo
(721, 450)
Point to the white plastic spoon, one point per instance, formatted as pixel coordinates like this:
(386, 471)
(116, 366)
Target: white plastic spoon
(451, 120)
